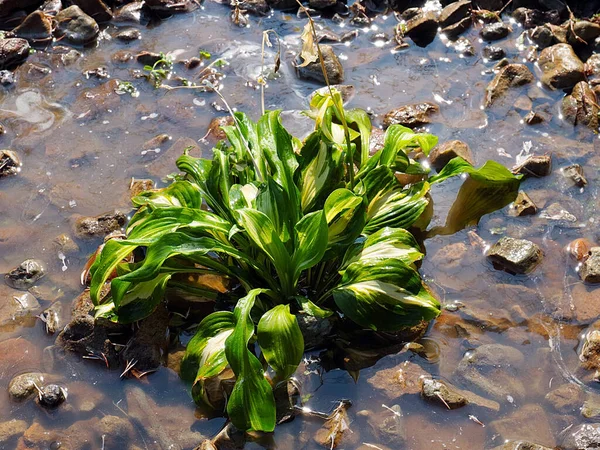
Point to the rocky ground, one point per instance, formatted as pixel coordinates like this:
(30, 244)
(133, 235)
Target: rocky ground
(513, 398)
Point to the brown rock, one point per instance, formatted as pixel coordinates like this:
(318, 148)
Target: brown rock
(411, 115)
(422, 28)
(10, 430)
(215, 132)
(442, 154)
(561, 67)
(9, 6)
(438, 391)
(574, 172)
(76, 26)
(580, 107)
(590, 269)
(579, 248)
(517, 256)
(36, 28)
(93, 102)
(405, 378)
(136, 187)
(523, 205)
(535, 165)
(509, 76)
(566, 398)
(455, 12)
(10, 163)
(333, 68)
(527, 423)
(96, 9)
(99, 226)
(13, 51)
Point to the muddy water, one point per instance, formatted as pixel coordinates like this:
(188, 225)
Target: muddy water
(80, 152)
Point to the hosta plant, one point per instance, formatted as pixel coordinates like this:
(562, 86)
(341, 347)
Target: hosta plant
(315, 227)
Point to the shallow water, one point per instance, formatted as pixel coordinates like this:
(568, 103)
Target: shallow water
(79, 157)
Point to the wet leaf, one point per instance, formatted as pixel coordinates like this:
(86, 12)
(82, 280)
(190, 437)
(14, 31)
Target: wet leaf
(309, 53)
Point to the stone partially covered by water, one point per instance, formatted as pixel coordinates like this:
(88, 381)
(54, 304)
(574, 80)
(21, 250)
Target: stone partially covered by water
(13, 51)
(442, 154)
(509, 76)
(582, 437)
(581, 107)
(96, 9)
(590, 269)
(422, 28)
(25, 275)
(561, 67)
(333, 68)
(25, 385)
(99, 226)
(439, 392)
(36, 28)
(523, 205)
(10, 163)
(517, 256)
(76, 26)
(495, 31)
(411, 115)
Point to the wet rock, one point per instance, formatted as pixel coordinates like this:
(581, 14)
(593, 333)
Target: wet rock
(25, 275)
(456, 29)
(578, 249)
(405, 378)
(13, 51)
(11, 429)
(52, 318)
(9, 6)
(314, 330)
(99, 226)
(65, 245)
(257, 7)
(442, 154)
(46, 293)
(561, 68)
(422, 28)
(531, 18)
(590, 270)
(84, 336)
(523, 205)
(582, 437)
(517, 256)
(138, 186)
(148, 346)
(52, 7)
(437, 391)
(509, 76)
(455, 12)
(76, 26)
(117, 431)
(333, 67)
(7, 77)
(495, 31)
(581, 107)
(411, 115)
(131, 12)
(535, 165)
(589, 356)
(128, 35)
(574, 172)
(51, 396)
(36, 28)
(542, 37)
(492, 368)
(533, 118)
(170, 6)
(156, 144)
(96, 9)
(388, 424)
(23, 386)
(464, 47)
(582, 32)
(493, 53)
(591, 409)
(148, 58)
(528, 423)
(10, 163)
(566, 398)
(558, 213)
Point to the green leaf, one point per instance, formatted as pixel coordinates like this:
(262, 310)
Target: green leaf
(359, 119)
(141, 299)
(486, 190)
(179, 193)
(311, 242)
(281, 340)
(308, 307)
(386, 243)
(345, 213)
(263, 234)
(251, 405)
(384, 295)
(211, 326)
(316, 177)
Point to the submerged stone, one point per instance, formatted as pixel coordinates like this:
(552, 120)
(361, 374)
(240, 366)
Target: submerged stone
(535, 165)
(333, 68)
(530, 423)
(582, 437)
(495, 31)
(23, 386)
(51, 396)
(509, 76)
(574, 172)
(439, 392)
(493, 53)
(517, 256)
(96, 9)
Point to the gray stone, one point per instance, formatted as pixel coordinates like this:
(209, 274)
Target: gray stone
(492, 368)
(561, 67)
(582, 437)
(333, 68)
(23, 386)
(493, 53)
(517, 256)
(411, 115)
(495, 31)
(13, 51)
(581, 107)
(442, 154)
(25, 275)
(314, 330)
(129, 35)
(76, 26)
(590, 269)
(509, 76)
(99, 226)
(51, 396)
(131, 12)
(10, 163)
(439, 392)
